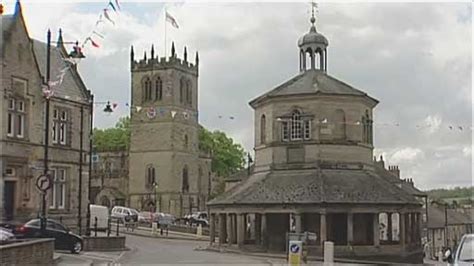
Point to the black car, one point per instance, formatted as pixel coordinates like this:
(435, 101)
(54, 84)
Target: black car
(64, 239)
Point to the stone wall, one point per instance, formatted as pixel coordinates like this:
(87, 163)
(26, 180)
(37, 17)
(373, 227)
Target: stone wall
(27, 252)
(104, 243)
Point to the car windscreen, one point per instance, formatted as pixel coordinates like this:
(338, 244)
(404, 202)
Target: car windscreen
(467, 250)
(33, 223)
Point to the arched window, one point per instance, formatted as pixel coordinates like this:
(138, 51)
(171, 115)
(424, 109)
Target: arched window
(185, 181)
(186, 142)
(146, 89)
(189, 99)
(158, 89)
(296, 125)
(263, 127)
(181, 90)
(340, 124)
(150, 176)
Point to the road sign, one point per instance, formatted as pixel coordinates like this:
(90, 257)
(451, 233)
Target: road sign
(294, 252)
(43, 182)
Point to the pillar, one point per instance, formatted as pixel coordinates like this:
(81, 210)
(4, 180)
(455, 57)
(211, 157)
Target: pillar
(312, 59)
(402, 223)
(258, 228)
(297, 222)
(350, 228)
(222, 228)
(304, 60)
(264, 230)
(212, 225)
(240, 229)
(420, 227)
(322, 229)
(230, 232)
(376, 230)
(389, 226)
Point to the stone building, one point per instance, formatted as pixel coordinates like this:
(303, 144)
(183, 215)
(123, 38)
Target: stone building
(314, 172)
(22, 120)
(165, 169)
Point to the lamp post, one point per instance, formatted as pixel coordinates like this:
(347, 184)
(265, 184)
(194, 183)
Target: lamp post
(155, 187)
(88, 215)
(76, 53)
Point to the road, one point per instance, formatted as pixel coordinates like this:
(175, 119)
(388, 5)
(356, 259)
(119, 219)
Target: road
(147, 250)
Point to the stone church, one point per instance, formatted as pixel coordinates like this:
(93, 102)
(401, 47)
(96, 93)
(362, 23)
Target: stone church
(314, 172)
(164, 169)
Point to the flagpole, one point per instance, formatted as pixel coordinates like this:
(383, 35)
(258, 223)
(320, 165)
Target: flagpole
(165, 32)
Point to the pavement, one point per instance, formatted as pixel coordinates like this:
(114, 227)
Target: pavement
(147, 232)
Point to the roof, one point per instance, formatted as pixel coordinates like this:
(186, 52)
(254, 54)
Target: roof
(72, 87)
(7, 22)
(313, 82)
(314, 187)
(390, 177)
(240, 175)
(437, 217)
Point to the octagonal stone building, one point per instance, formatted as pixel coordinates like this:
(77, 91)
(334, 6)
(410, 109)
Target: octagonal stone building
(314, 172)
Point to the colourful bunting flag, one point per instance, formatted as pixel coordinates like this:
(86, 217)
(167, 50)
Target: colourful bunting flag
(106, 15)
(118, 5)
(112, 5)
(171, 20)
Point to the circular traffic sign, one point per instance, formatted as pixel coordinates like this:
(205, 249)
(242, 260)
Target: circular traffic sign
(294, 248)
(43, 182)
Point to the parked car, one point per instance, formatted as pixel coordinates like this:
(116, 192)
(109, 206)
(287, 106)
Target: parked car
(64, 239)
(102, 214)
(145, 218)
(199, 218)
(124, 214)
(6, 234)
(164, 219)
(464, 254)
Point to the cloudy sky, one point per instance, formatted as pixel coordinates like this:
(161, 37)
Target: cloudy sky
(415, 58)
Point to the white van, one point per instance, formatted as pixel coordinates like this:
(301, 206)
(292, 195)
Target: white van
(102, 214)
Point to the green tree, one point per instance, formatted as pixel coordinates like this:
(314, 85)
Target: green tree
(113, 139)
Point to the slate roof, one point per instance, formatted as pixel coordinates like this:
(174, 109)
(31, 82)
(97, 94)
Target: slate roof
(407, 187)
(312, 82)
(436, 217)
(314, 187)
(240, 175)
(72, 87)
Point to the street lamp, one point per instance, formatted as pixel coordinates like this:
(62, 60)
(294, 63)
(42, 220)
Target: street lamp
(76, 54)
(155, 187)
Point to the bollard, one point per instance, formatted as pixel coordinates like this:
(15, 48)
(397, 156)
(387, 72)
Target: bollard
(328, 253)
(153, 228)
(118, 228)
(199, 231)
(95, 226)
(108, 227)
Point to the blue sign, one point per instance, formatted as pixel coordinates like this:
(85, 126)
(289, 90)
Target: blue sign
(295, 248)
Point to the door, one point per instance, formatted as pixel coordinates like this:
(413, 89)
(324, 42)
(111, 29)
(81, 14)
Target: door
(9, 194)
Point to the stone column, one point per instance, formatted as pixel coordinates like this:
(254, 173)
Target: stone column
(212, 225)
(297, 222)
(264, 230)
(409, 228)
(222, 228)
(322, 230)
(376, 230)
(350, 228)
(420, 227)
(258, 228)
(389, 226)
(401, 221)
(230, 232)
(240, 229)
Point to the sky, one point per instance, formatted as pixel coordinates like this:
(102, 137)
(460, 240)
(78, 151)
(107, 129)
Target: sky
(415, 58)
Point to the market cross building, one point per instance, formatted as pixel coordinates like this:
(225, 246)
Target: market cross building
(314, 172)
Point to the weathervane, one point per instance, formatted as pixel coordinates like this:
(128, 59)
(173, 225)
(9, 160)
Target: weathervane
(314, 6)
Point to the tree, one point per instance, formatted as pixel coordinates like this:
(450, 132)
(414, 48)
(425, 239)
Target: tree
(113, 139)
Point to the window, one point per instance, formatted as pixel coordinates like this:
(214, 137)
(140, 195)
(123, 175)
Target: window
(185, 181)
(57, 197)
(296, 126)
(185, 141)
(158, 89)
(307, 129)
(60, 127)
(16, 118)
(181, 90)
(340, 124)
(189, 99)
(284, 131)
(150, 176)
(262, 129)
(147, 89)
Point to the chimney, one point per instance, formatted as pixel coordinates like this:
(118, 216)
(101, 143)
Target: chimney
(394, 170)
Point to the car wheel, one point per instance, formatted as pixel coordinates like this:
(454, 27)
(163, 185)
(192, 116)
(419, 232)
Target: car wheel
(76, 247)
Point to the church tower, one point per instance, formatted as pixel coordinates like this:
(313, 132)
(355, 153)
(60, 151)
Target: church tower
(166, 170)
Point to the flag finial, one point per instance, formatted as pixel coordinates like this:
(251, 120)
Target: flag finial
(314, 6)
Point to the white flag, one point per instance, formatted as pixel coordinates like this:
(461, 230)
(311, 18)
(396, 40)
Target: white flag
(171, 20)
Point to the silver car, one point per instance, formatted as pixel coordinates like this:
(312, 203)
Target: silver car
(465, 252)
